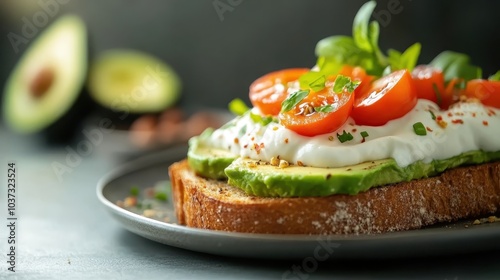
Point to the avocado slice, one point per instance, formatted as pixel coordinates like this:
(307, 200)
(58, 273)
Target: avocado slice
(206, 161)
(129, 83)
(44, 92)
(263, 179)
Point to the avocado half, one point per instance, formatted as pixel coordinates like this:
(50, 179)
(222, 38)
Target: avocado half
(44, 92)
(128, 83)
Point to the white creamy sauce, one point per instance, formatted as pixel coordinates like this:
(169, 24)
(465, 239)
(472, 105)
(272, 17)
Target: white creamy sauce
(470, 127)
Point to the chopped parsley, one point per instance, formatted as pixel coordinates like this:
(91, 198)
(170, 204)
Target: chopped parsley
(345, 136)
(364, 134)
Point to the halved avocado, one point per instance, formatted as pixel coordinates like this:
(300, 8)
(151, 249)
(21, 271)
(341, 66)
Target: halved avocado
(44, 91)
(129, 83)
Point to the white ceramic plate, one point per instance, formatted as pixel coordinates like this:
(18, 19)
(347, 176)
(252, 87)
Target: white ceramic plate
(145, 172)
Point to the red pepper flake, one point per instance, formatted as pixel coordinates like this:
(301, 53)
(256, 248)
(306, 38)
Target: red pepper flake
(236, 140)
(428, 129)
(457, 121)
(439, 118)
(262, 145)
(473, 115)
(450, 114)
(354, 130)
(286, 140)
(491, 113)
(253, 138)
(485, 123)
(245, 146)
(363, 140)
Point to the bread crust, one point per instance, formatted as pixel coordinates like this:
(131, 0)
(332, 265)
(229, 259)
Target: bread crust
(458, 193)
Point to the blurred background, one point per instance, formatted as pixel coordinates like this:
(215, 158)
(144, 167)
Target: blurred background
(218, 47)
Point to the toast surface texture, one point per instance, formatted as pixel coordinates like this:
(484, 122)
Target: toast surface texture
(458, 193)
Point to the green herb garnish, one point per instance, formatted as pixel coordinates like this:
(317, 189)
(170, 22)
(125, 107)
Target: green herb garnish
(495, 77)
(345, 83)
(238, 107)
(344, 137)
(432, 115)
(456, 65)
(318, 84)
(439, 99)
(134, 191)
(364, 134)
(161, 196)
(359, 50)
(406, 60)
(293, 99)
(260, 119)
(326, 108)
(419, 129)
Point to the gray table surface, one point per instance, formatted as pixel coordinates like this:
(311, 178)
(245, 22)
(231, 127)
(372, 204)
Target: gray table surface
(63, 232)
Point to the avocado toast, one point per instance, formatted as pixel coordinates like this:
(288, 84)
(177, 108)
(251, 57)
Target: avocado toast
(361, 143)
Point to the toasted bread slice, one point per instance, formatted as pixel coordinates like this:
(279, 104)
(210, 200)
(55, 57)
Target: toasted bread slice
(458, 193)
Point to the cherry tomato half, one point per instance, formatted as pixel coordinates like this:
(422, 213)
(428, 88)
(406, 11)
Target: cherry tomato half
(389, 97)
(268, 91)
(427, 80)
(305, 120)
(488, 92)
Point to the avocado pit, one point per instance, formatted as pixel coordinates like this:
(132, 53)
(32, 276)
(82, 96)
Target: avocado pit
(42, 82)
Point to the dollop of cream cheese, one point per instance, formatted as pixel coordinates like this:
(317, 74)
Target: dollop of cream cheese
(464, 127)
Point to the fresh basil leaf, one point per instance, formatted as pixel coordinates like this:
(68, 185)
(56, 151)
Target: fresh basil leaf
(238, 107)
(339, 47)
(335, 51)
(360, 26)
(343, 82)
(456, 65)
(293, 99)
(406, 60)
(312, 79)
(318, 84)
(495, 77)
(325, 108)
(374, 30)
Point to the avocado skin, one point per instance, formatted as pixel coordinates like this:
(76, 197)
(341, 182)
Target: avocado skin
(208, 162)
(297, 181)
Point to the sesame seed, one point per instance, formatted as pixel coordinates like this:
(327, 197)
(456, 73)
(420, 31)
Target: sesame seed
(283, 163)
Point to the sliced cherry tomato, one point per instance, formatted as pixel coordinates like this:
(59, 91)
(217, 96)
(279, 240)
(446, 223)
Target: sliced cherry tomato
(268, 91)
(429, 83)
(357, 73)
(488, 92)
(389, 97)
(305, 120)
